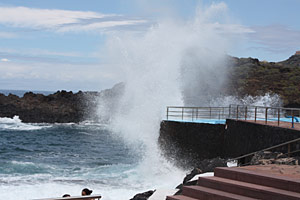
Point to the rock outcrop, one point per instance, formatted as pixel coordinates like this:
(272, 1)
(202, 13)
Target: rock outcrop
(60, 107)
(207, 165)
(268, 157)
(143, 196)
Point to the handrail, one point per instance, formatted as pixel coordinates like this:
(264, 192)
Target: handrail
(270, 148)
(240, 105)
(239, 112)
(90, 197)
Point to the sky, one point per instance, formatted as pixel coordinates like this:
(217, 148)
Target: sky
(58, 44)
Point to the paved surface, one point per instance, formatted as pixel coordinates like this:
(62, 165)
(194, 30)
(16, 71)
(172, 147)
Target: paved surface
(273, 123)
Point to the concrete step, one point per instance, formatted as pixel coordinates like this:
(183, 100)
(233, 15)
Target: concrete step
(247, 189)
(179, 197)
(264, 179)
(204, 193)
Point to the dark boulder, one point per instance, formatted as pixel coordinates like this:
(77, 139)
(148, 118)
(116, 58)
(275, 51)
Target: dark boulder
(207, 165)
(143, 196)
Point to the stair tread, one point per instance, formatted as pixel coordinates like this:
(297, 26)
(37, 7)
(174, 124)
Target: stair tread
(266, 179)
(180, 197)
(250, 172)
(241, 184)
(214, 192)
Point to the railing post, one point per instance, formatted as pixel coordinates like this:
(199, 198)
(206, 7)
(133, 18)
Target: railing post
(229, 111)
(292, 119)
(237, 112)
(246, 113)
(168, 113)
(223, 113)
(266, 117)
(209, 112)
(197, 114)
(278, 116)
(289, 150)
(182, 113)
(255, 113)
(192, 114)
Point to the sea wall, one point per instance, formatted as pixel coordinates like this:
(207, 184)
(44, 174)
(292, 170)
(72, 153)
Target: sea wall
(245, 137)
(187, 143)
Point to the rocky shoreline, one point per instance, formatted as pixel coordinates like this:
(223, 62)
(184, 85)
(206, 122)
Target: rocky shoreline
(60, 107)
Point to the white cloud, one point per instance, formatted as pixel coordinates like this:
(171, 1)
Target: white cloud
(4, 60)
(276, 38)
(61, 20)
(231, 28)
(100, 25)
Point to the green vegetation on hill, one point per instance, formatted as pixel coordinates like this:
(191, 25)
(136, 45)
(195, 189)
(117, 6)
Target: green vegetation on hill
(248, 76)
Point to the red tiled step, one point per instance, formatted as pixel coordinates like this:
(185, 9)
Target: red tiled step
(265, 179)
(203, 193)
(179, 197)
(247, 189)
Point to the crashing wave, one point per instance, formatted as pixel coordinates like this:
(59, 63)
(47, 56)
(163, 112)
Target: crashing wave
(15, 123)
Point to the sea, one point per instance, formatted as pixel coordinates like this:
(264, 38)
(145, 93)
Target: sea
(48, 160)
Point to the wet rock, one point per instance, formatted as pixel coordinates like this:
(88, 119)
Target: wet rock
(191, 175)
(207, 165)
(185, 184)
(268, 157)
(143, 196)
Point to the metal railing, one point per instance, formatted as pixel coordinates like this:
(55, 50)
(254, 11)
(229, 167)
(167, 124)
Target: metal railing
(258, 114)
(90, 197)
(266, 115)
(196, 113)
(290, 147)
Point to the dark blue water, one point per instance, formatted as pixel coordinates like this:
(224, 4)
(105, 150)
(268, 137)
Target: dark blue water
(68, 147)
(48, 160)
(65, 157)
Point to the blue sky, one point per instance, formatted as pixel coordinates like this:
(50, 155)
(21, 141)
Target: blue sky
(57, 44)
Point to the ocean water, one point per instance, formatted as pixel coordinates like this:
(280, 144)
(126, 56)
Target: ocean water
(49, 160)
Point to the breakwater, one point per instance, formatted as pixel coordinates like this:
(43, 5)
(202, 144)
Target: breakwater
(188, 143)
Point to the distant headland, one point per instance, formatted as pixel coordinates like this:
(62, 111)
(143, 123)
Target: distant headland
(59, 107)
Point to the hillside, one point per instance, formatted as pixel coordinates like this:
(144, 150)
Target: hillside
(248, 76)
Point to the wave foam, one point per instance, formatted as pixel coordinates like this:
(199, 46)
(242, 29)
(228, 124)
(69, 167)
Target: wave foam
(15, 123)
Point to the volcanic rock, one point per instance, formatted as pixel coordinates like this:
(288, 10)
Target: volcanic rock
(60, 107)
(143, 196)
